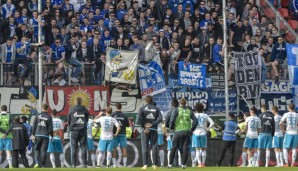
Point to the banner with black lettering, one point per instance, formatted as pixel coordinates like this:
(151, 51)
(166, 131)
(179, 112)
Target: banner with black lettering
(248, 74)
(192, 75)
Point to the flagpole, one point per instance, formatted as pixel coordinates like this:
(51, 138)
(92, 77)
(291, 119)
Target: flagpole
(40, 56)
(225, 48)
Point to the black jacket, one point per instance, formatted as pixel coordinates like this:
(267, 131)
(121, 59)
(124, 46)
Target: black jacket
(77, 118)
(149, 114)
(267, 123)
(92, 54)
(68, 50)
(43, 125)
(20, 138)
(123, 120)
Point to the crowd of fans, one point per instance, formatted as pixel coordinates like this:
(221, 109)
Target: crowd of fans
(76, 34)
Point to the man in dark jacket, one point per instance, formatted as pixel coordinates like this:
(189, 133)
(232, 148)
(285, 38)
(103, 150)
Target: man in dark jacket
(71, 48)
(278, 56)
(77, 119)
(42, 129)
(149, 117)
(20, 141)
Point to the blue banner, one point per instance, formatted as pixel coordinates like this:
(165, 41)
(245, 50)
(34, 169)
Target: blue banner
(292, 54)
(163, 100)
(152, 80)
(192, 75)
(216, 101)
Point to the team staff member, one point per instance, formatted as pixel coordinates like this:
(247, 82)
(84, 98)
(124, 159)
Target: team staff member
(5, 143)
(77, 118)
(149, 117)
(229, 140)
(20, 142)
(121, 137)
(42, 129)
(184, 122)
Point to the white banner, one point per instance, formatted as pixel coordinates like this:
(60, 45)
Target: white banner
(121, 66)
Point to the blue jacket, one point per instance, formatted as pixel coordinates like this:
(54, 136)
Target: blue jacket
(230, 128)
(279, 52)
(295, 5)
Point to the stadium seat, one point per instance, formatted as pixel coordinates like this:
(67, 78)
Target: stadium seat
(290, 38)
(293, 24)
(282, 26)
(285, 3)
(284, 12)
(269, 13)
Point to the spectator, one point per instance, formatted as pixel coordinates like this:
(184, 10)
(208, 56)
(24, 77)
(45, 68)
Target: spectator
(8, 54)
(8, 9)
(264, 68)
(58, 56)
(278, 56)
(252, 46)
(71, 48)
(218, 54)
(22, 52)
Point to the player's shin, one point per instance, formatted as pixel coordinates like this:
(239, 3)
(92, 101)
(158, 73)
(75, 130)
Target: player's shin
(267, 157)
(285, 151)
(52, 158)
(62, 159)
(109, 157)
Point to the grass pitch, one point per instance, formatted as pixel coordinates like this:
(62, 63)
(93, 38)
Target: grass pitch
(165, 169)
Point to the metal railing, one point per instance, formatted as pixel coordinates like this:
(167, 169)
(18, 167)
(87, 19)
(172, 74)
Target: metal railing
(282, 25)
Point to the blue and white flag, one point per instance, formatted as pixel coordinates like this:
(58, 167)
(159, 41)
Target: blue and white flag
(152, 80)
(192, 75)
(292, 53)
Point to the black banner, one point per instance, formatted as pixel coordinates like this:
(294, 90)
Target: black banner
(248, 74)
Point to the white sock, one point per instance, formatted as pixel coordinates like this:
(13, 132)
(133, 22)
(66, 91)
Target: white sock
(9, 159)
(204, 154)
(193, 158)
(244, 156)
(277, 155)
(255, 159)
(151, 156)
(258, 157)
(285, 155)
(52, 158)
(124, 161)
(199, 157)
(294, 154)
(99, 159)
(267, 157)
(114, 161)
(93, 159)
(0, 158)
(179, 158)
(168, 156)
(281, 158)
(162, 157)
(109, 157)
(62, 159)
(102, 159)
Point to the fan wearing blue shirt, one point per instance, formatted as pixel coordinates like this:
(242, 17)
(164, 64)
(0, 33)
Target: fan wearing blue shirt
(58, 55)
(57, 4)
(86, 27)
(23, 50)
(106, 39)
(218, 52)
(34, 23)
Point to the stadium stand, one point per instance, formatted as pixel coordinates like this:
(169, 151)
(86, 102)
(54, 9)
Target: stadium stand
(89, 20)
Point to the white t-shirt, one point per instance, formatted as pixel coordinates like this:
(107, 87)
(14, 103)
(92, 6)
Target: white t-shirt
(253, 123)
(201, 128)
(278, 131)
(89, 128)
(57, 124)
(107, 123)
(292, 119)
(159, 127)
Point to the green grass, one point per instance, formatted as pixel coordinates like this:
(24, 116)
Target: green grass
(165, 169)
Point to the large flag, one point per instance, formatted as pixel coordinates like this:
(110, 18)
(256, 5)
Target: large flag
(192, 75)
(248, 74)
(292, 53)
(121, 66)
(151, 77)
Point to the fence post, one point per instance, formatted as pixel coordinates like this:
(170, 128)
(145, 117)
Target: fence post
(1, 74)
(277, 21)
(36, 74)
(69, 75)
